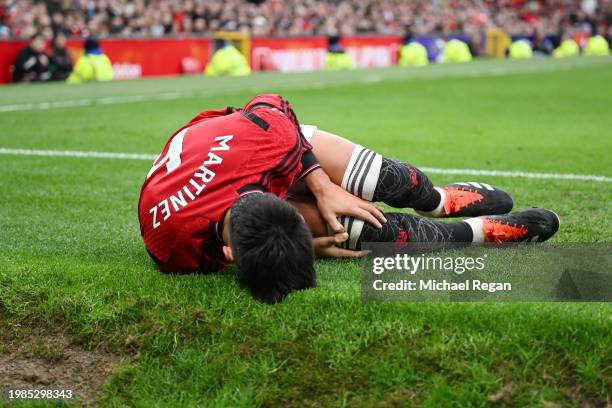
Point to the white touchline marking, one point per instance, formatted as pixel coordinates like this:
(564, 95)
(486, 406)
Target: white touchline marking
(432, 170)
(112, 100)
(77, 153)
(519, 174)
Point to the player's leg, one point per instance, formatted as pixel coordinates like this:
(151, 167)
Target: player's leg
(533, 224)
(399, 226)
(373, 177)
(369, 175)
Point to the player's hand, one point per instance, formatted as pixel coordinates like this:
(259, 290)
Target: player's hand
(325, 247)
(333, 201)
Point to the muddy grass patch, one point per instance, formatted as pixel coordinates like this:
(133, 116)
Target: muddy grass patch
(41, 359)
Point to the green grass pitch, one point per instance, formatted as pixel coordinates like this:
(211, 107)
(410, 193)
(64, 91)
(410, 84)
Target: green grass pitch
(72, 260)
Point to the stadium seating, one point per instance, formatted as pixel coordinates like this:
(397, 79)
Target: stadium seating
(157, 18)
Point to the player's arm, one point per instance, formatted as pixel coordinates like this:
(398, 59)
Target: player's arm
(333, 201)
(325, 245)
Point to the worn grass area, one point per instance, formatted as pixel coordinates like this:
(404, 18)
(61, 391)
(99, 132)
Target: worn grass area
(71, 258)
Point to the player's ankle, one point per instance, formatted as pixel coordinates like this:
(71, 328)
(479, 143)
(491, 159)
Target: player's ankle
(438, 211)
(477, 226)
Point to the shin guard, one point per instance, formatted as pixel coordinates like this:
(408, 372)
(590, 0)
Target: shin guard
(401, 185)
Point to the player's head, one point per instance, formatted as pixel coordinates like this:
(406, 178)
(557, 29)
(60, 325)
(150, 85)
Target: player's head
(272, 247)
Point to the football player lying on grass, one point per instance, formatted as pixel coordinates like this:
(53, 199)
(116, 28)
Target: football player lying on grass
(254, 187)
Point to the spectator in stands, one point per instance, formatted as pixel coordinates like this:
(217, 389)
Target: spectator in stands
(227, 60)
(92, 65)
(61, 64)
(32, 64)
(336, 58)
(57, 24)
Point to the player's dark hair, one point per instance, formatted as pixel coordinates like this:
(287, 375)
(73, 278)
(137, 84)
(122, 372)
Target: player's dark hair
(272, 247)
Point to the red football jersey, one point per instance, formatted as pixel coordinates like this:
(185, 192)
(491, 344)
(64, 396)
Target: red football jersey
(205, 166)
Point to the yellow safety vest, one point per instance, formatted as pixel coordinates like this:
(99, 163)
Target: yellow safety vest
(520, 49)
(335, 61)
(91, 67)
(597, 46)
(228, 61)
(568, 48)
(413, 55)
(457, 51)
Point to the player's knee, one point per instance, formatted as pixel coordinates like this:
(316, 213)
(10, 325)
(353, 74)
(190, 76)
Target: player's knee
(272, 247)
(362, 172)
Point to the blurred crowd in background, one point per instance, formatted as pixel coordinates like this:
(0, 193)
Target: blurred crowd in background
(561, 28)
(156, 18)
